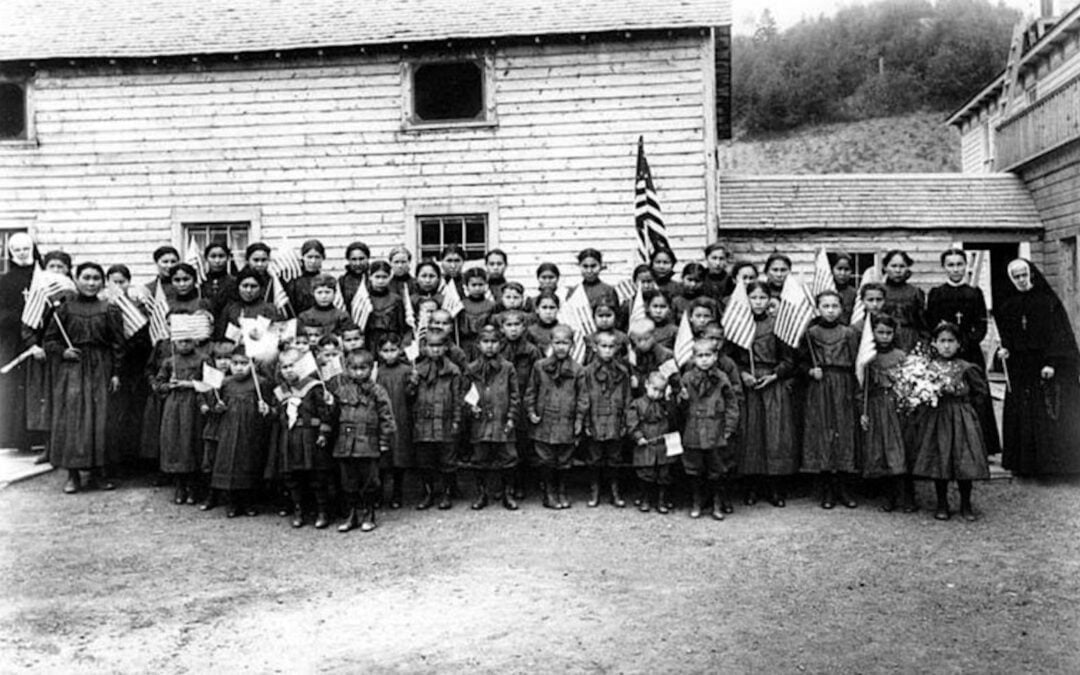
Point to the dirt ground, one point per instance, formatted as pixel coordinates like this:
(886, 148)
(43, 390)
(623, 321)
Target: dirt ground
(128, 582)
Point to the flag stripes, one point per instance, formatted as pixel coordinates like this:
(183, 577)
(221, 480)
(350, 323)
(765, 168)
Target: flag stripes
(43, 287)
(795, 312)
(286, 264)
(134, 320)
(648, 222)
(823, 276)
(360, 307)
(684, 341)
(159, 313)
(576, 312)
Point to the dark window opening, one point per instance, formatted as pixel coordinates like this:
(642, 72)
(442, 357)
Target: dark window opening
(448, 91)
(12, 111)
(468, 231)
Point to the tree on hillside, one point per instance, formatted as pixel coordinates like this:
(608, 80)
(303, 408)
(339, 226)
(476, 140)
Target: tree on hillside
(883, 58)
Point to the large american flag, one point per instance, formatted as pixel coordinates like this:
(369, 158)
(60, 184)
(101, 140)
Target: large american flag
(576, 312)
(648, 224)
(795, 312)
(823, 277)
(738, 320)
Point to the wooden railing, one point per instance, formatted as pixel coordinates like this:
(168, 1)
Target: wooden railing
(1045, 125)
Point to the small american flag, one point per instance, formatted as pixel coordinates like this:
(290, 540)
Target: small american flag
(286, 263)
(823, 277)
(278, 294)
(189, 326)
(451, 301)
(637, 308)
(159, 313)
(44, 286)
(648, 223)
(684, 340)
(577, 313)
(134, 320)
(866, 352)
(795, 312)
(361, 306)
(738, 320)
(339, 297)
(194, 258)
(625, 290)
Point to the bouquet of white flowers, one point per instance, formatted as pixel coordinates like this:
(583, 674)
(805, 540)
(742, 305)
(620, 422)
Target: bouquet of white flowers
(920, 380)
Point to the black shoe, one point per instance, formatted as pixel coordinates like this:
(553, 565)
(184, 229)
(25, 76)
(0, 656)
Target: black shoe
(844, 499)
(967, 513)
(616, 497)
(210, 503)
(251, 511)
(508, 501)
(718, 505)
(942, 513)
(72, 484)
(395, 497)
(662, 505)
(446, 501)
(298, 517)
(352, 521)
(778, 501)
(551, 500)
(368, 523)
(179, 495)
(751, 498)
(428, 499)
(230, 511)
(480, 502)
(42, 458)
(322, 521)
(594, 495)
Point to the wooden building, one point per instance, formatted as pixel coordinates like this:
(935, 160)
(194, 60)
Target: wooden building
(509, 123)
(1027, 122)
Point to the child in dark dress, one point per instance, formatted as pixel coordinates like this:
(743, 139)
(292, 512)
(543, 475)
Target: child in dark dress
(711, 418)
(950, 442)
(387, 308)
(181, 425)
(827, 358)
(365, 426)
(212, 406)
(658, 309)
(240, 456)
(547, 313)
(556, 403)
(323, 314)
(607, 384)
(477, 310)
(300, 444)
(494, 420)
(843, 273)
(882, 447)
(393, 376)
(648, 418)
(605, 317)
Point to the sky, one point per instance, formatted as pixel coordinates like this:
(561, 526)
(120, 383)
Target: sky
(790, 12)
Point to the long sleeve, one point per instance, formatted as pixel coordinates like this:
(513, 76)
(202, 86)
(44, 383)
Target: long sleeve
(633, 423)
(581, 407)
(786, 359)
(514, 390)
(458, 388)
(532, 391)
(387, 423)
(731, 409)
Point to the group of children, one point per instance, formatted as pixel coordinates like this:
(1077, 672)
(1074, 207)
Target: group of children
(494, 387)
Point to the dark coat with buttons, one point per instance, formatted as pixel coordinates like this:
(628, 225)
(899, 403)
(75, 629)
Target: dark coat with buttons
(557, 394)
(608, 388)
(363, 418)
(437, 402)
(500, 399)
(712, 410)
(650, 420)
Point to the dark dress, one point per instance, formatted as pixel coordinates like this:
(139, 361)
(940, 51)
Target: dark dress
(349, 283)
(718, 286)
(882, 449)
(965, 306)
(300, 294)
(598, 291)
(13, 286)
(181, 422)
(400, 285)
(767, 425)
(830, 419)
(950, 445)
(1041, 422)
(127, 406)
(848, 295)
(395, 380)
(219, 290)
(80, 405)
(242, 435)
(907, 305)
(329, 320)
(387, 316)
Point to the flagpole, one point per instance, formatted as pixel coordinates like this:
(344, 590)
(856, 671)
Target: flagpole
(866, 391)
(255, 378)
(60, 325)
(1008, 380)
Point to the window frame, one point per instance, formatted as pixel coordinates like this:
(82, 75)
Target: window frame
(185, 218)
(414, 211)
(30, 136)
(409, 121)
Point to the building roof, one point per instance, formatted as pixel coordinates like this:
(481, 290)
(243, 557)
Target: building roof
(877, 202)
(70, 29)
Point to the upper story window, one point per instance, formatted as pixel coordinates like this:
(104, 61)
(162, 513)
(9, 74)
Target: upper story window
(448, 93)
(14, 111)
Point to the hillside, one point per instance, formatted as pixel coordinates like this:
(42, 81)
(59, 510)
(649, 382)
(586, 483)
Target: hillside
(912, 143)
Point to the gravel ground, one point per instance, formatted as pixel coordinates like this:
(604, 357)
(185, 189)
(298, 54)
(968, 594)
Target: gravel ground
(127, 582)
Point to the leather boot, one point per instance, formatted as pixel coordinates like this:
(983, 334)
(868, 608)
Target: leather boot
(368, 523)
(322, 520)
(843, 497)
(776, 497)
(594, 494)
(72, 484)
(828, 501)
(718, 504)
(696, 498)
(661, 500)
(297, 516)
(210, 502)
(616, 496)
(892, 490)
(481, 494)
(908, 502)
(643, 503)
(564, 501)
(428, 500)
(352, 521)
(966, 511)
(723, 491)
(941, 487)
(446, 500)
(395, 491)
(180, 493)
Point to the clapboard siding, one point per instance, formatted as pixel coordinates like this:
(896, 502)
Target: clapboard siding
(317, 149)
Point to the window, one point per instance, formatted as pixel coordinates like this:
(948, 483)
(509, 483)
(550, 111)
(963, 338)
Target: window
(470, 231)
(863, 262)
(14, 111)
(5, 235)
(448, 93)
(235, 234)
(1070, 269)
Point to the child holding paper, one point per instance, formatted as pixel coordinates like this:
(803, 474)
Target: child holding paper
(250, 305)
(712, 416)
(300, 444)
(181, 426)
(393, 376)
(365, 426)
(494, 401)
(557, 402)
(241, 435)
(648, 418)
(647, 356)
(211, 406)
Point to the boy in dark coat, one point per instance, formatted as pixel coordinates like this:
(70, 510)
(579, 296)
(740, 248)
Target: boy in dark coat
(557, 403)
(607, 386)
(648, 418)
(494, 418)
(522, 355)
(329, 319)
(365, 427)
(436, 391)
(712, 416)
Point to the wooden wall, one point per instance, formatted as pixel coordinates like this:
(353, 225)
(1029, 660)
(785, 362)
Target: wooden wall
(317, 149)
